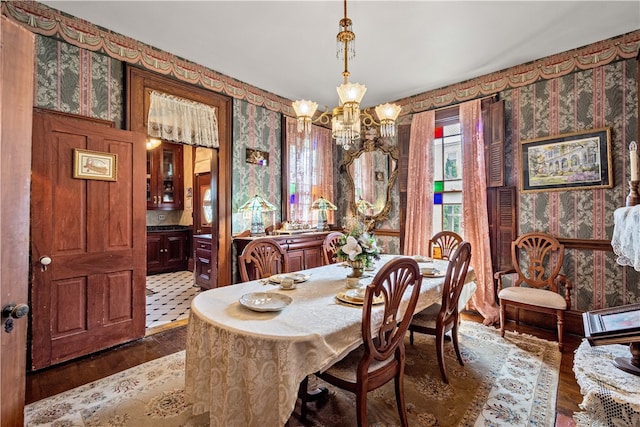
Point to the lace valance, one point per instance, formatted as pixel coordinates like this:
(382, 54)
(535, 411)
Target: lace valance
(626, 236)
(181, 120)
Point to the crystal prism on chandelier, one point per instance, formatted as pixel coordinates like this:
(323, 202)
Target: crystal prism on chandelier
(346, 118)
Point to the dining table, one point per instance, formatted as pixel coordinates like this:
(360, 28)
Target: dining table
(244, 366)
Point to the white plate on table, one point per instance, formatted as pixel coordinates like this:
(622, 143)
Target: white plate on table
(297, 277)
(265, 301)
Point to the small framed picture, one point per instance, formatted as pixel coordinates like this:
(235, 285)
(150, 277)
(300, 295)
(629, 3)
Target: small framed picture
(94, 165)
(257, 157)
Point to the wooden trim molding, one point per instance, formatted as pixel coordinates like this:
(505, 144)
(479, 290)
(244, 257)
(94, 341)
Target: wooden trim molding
(592, 244)
(386, 232)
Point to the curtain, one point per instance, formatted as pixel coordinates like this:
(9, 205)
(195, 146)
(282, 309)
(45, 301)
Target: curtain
(419, 221)
(310, 173)
(474, 206)
(181, 120)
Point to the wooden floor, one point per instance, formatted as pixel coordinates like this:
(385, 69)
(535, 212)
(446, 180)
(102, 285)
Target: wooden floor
(54, 380)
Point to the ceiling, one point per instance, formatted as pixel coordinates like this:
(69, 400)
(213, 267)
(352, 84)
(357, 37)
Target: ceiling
(403, 48)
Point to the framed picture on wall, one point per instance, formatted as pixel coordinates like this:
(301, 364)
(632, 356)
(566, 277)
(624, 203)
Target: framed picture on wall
(573, 161)
(94, 165)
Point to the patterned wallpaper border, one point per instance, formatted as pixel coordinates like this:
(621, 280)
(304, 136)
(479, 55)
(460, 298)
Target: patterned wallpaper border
(41, 19)
(44, 20)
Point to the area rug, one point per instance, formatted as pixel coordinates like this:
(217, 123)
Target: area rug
(504, 382)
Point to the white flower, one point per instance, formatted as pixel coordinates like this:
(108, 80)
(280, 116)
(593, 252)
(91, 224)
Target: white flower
(352, 248)
(367, 243)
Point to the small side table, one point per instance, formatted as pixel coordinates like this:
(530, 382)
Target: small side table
(610, 395)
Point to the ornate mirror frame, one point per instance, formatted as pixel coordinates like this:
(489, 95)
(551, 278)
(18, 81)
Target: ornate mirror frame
(381, 145)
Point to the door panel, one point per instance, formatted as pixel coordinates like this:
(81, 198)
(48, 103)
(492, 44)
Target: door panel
(92, 295)
(16, 106)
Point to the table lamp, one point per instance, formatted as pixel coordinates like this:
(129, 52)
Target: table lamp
(322, 205)
(256, 205)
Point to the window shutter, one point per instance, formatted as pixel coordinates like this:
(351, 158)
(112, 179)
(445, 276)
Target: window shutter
(493, 120)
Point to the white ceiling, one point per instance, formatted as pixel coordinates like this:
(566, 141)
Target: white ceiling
(403, 48)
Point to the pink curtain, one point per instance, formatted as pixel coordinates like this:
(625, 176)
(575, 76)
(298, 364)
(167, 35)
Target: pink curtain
(419, 221)
(474, 204)
(310, 171)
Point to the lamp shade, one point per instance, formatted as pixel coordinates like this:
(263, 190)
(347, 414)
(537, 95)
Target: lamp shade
(323, 204)
(351, 92)
(257, 203)
(388, 112)
(304, 108)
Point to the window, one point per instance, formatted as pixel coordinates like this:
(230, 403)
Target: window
(447, 179)
(309, 172)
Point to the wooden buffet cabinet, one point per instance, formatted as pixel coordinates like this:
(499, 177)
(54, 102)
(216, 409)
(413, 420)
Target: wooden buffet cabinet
(303, 250)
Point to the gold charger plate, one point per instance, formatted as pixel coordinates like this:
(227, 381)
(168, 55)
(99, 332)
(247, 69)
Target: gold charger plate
(435, 274)
(297, 277)
(343, 297)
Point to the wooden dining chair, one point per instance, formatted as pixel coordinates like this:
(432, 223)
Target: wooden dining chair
(446, 241)
(330, 247)
(262, 258)
(381, 357)
(438, 319)
(536, 259)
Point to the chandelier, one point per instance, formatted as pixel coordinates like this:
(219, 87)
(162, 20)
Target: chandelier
(346, 118)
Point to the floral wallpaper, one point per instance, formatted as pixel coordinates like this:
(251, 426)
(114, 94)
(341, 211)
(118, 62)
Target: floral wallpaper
(77, 81)
(260, 129)
(601, 97)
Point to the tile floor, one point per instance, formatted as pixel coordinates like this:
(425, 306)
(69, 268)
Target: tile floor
(169, 297)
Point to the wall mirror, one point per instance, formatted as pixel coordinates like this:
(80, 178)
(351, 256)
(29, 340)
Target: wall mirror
(371, 172)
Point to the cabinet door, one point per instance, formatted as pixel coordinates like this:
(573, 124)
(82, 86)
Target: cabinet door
(165, 180)
(313, 258)
(154, 253)
(296, 260)
(175, 251)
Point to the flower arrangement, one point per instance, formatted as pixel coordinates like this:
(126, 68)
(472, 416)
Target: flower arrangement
(356, 244)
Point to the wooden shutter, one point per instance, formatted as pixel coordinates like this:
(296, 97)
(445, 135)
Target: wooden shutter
(501, 207)
(493, 121)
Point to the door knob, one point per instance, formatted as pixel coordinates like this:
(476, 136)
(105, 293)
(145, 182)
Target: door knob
(45, 261)
(13, 311)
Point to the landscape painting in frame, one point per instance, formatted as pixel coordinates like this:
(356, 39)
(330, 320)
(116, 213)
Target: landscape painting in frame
(572, 161)
(94, 165)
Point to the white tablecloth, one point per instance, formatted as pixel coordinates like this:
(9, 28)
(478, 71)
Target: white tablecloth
(245, 367)
(626, 236)
(611, 395)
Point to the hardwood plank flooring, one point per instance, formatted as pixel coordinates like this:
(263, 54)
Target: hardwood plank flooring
(59, 378)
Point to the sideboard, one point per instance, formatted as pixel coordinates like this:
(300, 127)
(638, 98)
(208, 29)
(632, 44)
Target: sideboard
(303, 250)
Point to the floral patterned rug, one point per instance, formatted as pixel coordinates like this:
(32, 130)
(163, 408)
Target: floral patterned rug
(504, 382)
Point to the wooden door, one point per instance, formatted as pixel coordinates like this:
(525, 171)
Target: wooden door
(16, 101)
(92, 294)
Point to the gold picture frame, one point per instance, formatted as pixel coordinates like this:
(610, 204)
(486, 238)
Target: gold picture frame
(573, 161)
(95, 165)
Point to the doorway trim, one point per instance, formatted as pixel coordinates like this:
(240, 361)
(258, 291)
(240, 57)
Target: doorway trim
(139, 84)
